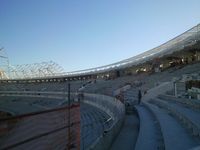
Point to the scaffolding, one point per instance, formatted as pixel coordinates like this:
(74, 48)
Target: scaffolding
(27, 71)
(36, 70)
(4, 64)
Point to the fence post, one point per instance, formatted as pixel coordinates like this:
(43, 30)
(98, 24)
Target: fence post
(69, 135)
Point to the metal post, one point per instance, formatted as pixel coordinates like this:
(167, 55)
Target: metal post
(69, 122)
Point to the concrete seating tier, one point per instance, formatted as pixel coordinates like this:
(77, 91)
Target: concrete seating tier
(93, 124)
(172, 131)
(44, 86)
(192, 103)
(188, 117)
(131, 96)
(22, 105)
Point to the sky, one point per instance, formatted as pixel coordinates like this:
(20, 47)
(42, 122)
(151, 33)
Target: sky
(81, 34)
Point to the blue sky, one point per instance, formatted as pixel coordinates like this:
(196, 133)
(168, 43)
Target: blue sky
(80, 34)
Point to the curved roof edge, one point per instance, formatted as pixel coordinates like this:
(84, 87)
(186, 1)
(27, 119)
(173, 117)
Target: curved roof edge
(190, 37)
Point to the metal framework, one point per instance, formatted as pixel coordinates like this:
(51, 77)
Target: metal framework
(51, 69)
(36, 70)
(4, 64)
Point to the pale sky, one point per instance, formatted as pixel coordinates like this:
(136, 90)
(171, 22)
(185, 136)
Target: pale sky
(81, 34)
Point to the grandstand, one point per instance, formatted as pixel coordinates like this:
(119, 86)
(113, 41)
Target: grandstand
(93, 108)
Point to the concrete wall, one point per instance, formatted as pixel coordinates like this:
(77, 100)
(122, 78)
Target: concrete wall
(105, 141)
(160, 89)
(122, 89)
(112, 107)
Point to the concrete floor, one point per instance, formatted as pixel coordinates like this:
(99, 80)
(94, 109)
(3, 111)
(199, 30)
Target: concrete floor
(128, 135)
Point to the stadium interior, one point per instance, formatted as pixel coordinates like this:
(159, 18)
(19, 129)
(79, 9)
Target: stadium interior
(98, 108)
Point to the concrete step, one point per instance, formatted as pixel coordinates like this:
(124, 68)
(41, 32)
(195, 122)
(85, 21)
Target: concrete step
(172, 131)
(188, 117)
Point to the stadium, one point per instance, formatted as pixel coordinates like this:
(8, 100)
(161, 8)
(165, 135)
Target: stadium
(43, 107)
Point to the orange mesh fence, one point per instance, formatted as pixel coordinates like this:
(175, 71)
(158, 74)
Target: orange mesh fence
(49, 129)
